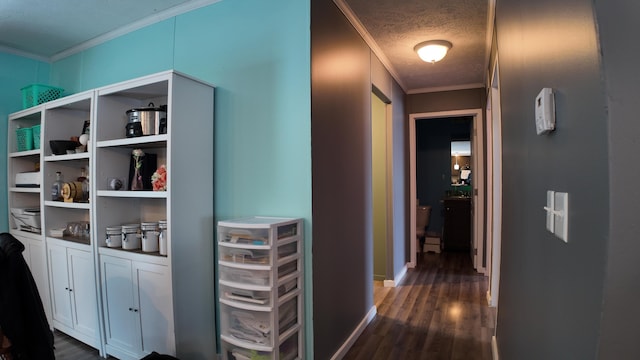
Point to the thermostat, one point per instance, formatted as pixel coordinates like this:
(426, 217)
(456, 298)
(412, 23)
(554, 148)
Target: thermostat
(545, 111)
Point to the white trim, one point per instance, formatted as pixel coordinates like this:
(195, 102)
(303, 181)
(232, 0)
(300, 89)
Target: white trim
(342, 351)
(496, 176)
(412, 192)
(479, 190)
(491, 16)
(389, 283)
(446, 88)
(355, 22)
(494, 348)
(397, 278)
(157, 17)
(25, 54)
(477, 118)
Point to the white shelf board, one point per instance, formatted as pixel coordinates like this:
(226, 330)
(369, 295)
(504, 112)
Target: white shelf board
(24, 153)
(149, 141)
(82, 155)
(68, 205)
(24, 189)
(133, 194)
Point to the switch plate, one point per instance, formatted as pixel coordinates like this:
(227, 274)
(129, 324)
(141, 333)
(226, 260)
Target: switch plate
(557, 219)
(561, 215)
(549, 208)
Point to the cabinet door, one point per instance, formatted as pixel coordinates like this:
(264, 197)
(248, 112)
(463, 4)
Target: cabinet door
(38, 267)
(83, 292)
(58, 277)
(121, 323)
(155, 307)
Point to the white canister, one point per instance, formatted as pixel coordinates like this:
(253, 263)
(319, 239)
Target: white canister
(114, 236)
(149, 236)
(131, 236)
(162, 238)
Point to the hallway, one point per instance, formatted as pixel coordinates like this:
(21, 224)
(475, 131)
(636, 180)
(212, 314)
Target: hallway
(439, 312)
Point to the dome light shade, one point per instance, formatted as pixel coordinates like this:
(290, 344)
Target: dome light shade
(432, 50)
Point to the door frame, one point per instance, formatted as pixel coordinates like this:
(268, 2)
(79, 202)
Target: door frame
(478, 180)
(494, 209)
(389, 280)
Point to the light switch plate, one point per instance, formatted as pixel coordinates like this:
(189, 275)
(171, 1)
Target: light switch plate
(549, 208)
(561, 215)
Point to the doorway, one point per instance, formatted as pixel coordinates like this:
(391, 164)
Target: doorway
(477, 191)
(380, 188)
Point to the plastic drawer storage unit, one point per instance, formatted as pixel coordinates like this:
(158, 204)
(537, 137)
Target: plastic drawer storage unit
(261, 288)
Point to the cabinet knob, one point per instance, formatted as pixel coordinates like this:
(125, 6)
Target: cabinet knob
(135, 310)
(70, 289)
(130, 309)
(66, 288)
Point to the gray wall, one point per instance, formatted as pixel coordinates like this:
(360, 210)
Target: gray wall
(621, 313)
(446, 100)
(341, 173)
(550, 291)
(342, 72)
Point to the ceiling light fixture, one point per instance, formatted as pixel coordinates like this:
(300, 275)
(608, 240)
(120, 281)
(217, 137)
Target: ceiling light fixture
(432, 50)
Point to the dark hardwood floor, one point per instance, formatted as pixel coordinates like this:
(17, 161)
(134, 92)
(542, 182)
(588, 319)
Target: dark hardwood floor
(439, 311)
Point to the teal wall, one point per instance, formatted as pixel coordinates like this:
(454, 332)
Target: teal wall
(16, 72)
(256, 53)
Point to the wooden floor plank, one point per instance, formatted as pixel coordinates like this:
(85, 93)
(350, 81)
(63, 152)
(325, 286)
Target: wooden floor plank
(440, 311)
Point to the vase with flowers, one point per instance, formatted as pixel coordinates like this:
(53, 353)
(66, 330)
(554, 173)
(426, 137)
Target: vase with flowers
(136, 180)
(159, 179)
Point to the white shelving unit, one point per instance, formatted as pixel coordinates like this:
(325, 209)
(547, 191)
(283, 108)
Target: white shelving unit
(71, 259)
(156, 302)
(27, 197)
(261, 288)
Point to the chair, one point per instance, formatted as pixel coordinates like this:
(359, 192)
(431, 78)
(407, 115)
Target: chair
(423, 213)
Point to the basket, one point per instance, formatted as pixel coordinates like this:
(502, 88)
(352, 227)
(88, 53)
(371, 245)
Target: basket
(37, 94)
(36, 136)
(24, 138)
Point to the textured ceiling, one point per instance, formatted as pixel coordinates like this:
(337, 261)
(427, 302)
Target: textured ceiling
(397, 26)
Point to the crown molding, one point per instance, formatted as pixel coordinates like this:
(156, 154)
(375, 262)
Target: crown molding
(160, 16)
(446, 88)
(12, 51)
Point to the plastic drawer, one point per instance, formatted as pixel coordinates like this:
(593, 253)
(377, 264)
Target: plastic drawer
(287, 249)
(244, 256)
(254, 327)
(243, 236)
(288, 350)
(246, 296)
(244, 276)
(256, 297)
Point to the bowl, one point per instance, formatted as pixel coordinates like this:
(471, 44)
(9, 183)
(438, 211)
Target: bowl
(60, 147)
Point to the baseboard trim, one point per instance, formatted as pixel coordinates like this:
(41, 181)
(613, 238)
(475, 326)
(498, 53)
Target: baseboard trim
(355, 334)
(494, 348)
(389, 283)
(398, 278)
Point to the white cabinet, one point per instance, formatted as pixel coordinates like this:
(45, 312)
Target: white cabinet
(172, 292)
(71, 275)
(261, 288)
(35, 257)
(175, 288)
(138, 306)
